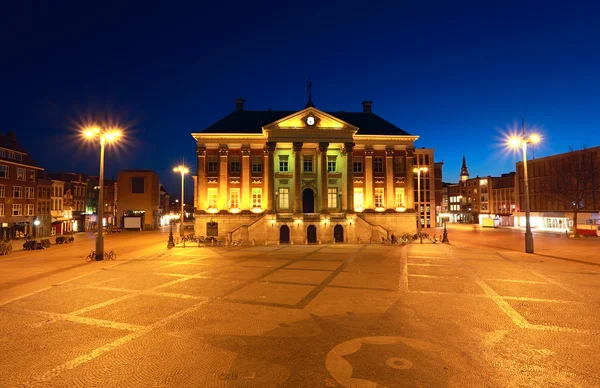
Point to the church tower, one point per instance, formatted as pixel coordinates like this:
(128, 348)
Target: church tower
(464, 171)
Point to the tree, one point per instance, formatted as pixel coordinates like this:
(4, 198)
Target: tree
(574, 182)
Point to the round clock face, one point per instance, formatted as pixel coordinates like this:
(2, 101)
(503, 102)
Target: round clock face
(310, 120)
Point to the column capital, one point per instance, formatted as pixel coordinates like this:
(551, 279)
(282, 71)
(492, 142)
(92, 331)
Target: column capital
(410, 152)
(389, 152)
(270, 147)
(369, 151)
(323, 146)
(223, 149)
(201, 150)
(297, 145)
(245, 149)
(348, 147)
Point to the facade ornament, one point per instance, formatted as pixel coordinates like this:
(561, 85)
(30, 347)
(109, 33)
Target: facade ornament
(212, 180)
(307, 182)
(234, 180)
(332, 182)
(359, 180)
(201, 150)
(223, 149)
(399, 180)
(369, 151)
(379, 180)
(389, 151)
(245, 149)
(410, 152)
(257, 180)
(348, 147)
(297, 146)
(270, 146)
(283, 181)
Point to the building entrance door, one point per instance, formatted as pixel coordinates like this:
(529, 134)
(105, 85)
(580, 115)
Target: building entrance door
(308, 201)
(284, 235)
(311, 234)
(338, 233)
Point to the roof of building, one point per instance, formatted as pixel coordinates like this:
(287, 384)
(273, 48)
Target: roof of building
(252, 121)
(9, 141)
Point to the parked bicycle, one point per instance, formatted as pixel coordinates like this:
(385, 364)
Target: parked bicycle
(110, 255)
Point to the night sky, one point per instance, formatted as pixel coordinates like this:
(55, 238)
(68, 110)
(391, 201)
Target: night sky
(458, 74)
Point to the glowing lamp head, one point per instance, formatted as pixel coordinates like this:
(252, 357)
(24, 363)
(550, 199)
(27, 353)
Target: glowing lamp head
(88, 133)
(535, 138)
(514, 141)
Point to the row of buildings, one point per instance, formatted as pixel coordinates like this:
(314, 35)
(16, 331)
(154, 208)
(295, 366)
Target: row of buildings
(564, 191)
(36, 203)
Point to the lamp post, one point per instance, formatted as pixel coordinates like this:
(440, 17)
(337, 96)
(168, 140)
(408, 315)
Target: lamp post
(183, 170)
(521, 142)
(418, 171)
(104, 135)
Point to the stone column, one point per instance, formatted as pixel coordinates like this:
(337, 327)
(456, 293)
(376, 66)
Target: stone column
(246, 200)
(369, 199)
(269, 175)
(349, 176)
(409, 185)
(223, 177)
(297, 171)
(323, 158)
(201, 177)
(390, 199)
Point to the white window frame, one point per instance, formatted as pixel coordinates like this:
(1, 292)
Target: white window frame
(257, 162)
(17, 191)
(4, 171)
(284, 165)
(359, 198)
(2, 211)
(212, 160)
(234, 198)
(21, 174)
(284, 197)
(378, 160)
(2, 191)
(18, 208)
(30, 192)
(212, 198)
(332, 197)
(331, 164)
(29, 209)
(308, 162)
(399, 194)
(357, 161)
(379, 197)
(257, 198)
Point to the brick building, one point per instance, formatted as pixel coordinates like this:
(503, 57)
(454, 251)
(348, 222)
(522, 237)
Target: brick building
(139, 198)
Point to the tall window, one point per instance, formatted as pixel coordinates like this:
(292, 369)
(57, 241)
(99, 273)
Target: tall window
(213, 163)
(29, 209)
(257, 164)
(3, 153)
(212, 198)
(358, 164)
(359, 200)
(11, 155)
(234, 164)
(3, 171)
(32, 175)
(284, 198)
(308, 163)
(399, 165)
(283, 164)
(331, 164)
(17, 191)
(2, 191)
(17, 209)
(257, 197)
(399, 197)
(379, 197)
(2, 210)
(378, 164)
(21, 174)
(29, 192)
(234, 198)
(332, 197)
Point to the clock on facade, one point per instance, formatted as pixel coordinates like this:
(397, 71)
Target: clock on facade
(310, 120)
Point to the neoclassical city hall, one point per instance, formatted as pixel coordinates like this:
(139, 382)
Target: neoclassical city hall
(305, 176)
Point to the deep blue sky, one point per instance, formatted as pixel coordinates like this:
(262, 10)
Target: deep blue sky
(456, 74)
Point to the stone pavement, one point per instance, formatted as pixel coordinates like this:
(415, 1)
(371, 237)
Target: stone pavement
(310, 316)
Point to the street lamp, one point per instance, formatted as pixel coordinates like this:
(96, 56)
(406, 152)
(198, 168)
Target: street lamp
(105, 135)
(183, 170)
(521, 142)
(418, 171)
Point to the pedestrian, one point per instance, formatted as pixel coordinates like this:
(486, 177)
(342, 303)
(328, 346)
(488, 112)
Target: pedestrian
(393, 239)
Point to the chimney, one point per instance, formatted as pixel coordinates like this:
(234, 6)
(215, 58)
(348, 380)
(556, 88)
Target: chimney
(12, 135)
(239, 104)
(367, 106)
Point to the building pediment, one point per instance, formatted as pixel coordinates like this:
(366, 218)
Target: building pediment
(310, 123)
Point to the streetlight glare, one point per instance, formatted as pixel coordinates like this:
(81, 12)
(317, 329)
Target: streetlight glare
(535, 138)
(88, 133)
(514, 141)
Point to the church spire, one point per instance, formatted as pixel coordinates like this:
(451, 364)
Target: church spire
(464, 171)
(309, 103)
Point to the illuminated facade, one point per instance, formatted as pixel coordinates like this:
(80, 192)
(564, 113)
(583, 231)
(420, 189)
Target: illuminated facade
(304, 177)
